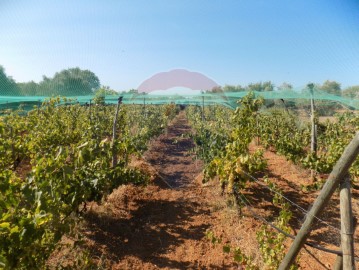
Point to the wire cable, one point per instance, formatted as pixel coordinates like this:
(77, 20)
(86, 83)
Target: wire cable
(290, 201)
(319, 247)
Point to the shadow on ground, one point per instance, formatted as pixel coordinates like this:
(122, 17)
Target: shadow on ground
(328, 224)
(155, 228)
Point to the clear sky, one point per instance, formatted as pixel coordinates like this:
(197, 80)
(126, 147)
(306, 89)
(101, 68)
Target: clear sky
(231, 42)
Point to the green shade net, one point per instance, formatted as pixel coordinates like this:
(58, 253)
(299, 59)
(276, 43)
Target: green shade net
(228, 99)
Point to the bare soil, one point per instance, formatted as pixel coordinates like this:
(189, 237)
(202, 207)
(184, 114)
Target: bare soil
(165, 225)
(162, 225)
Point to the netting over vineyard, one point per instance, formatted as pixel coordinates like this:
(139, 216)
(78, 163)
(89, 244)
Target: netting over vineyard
(228, 99)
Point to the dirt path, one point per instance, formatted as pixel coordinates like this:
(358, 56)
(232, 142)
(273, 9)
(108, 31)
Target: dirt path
(165, 224)
(170, 156)
(161, 226)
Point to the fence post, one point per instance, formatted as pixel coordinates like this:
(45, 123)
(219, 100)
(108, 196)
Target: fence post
(346, 220)
(13, 148)
(313, 141)
(144, 107)
(114, 134)
(90, 116)
(202, 108)
(339, 171)
(313, 144)
(338, 265)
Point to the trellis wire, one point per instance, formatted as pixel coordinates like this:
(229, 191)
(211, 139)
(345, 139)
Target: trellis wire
(319, 247)
(290, 201)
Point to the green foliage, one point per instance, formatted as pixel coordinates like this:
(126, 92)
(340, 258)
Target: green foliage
(243, 259)
(8, 86)
(317, 185)
(147, 122)
(29, 88)
(331, 87)
(285, 86)
(223, 145)
(238, 256)
(100, 96)
(271, 242)
(351, 92)
(70, 153)
(333, 137)
(211, 236)
(211, 136)
(284, 132)
(236, 159)
(233, 88)
(107, 91)
(225, 151)
(68, 82)
(260, 86)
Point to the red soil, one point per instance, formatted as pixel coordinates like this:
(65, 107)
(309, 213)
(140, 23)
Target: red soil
(164, 225)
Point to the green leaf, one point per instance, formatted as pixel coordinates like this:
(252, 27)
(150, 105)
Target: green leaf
(5, 225)
(238, 258)
(226, 249)
(14, 230)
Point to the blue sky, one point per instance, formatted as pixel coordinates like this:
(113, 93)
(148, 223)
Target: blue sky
(232, 42)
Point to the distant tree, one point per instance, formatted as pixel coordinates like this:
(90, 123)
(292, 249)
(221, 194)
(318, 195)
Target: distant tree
(239, 88)
(101, 93)
(229, 88)
(260, 86)
(70, 82)
(106, 90)
(331, 87)
(268, 86)
(351, 92)
(233, 88)
(254, 87)
(285, 86)
(216, 89)
(100, 96)
(46, 87)
(29, 88)
(8, 86)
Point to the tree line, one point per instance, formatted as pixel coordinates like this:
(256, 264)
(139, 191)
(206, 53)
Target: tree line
(78, 82)
(330, 87)
(68, 82)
